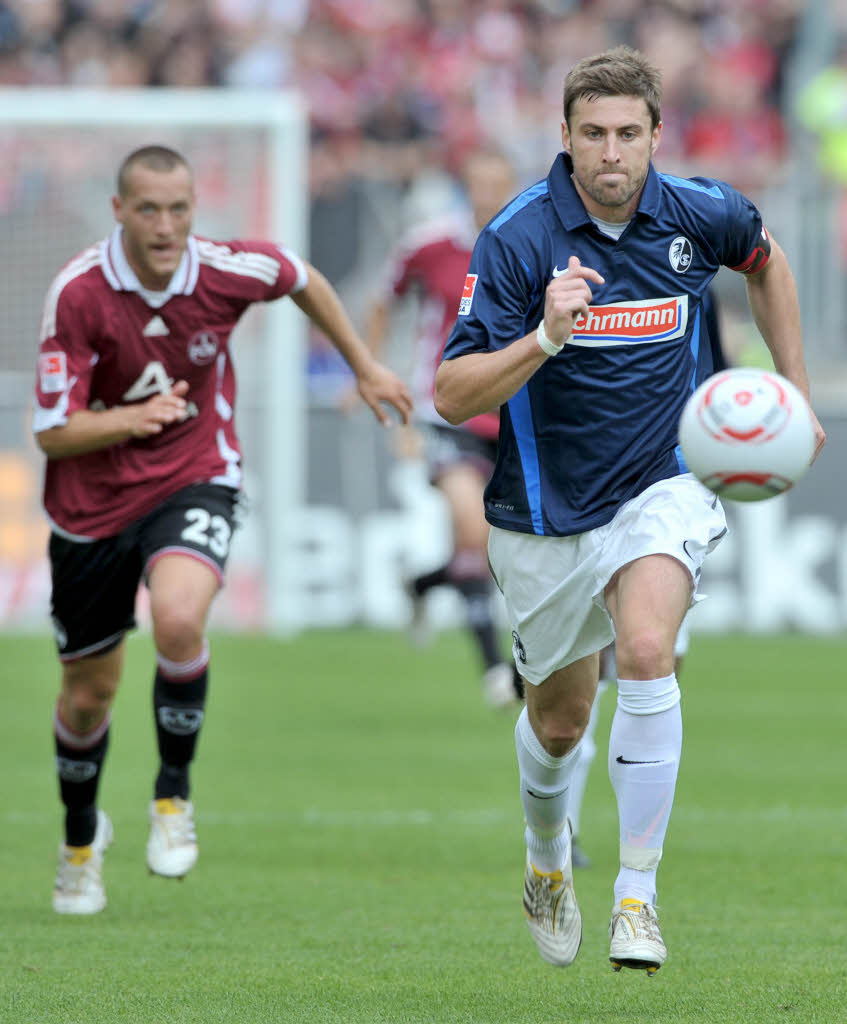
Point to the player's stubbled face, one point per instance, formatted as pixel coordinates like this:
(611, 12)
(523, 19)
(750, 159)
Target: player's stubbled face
(611, 142)
(156, 213)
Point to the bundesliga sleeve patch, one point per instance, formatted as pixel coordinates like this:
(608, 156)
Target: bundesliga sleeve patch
(52, 372)
(467, 294)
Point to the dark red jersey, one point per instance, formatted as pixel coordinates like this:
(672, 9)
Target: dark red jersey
(433, 263)
(106, 341)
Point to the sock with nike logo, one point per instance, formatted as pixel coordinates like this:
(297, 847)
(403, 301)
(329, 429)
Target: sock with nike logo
(644, 750)
(545, 781)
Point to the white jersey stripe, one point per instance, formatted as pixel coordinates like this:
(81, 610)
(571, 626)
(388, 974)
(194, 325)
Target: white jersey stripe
(299, 266)
(232, 476)
(56, 415)
(249, 264)
(76, 268)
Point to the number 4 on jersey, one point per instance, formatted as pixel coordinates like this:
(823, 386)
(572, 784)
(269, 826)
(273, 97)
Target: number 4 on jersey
(154, 380)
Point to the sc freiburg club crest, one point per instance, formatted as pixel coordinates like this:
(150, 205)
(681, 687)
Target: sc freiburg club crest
(680, 254)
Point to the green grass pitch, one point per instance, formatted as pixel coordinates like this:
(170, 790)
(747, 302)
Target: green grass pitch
(361, 848)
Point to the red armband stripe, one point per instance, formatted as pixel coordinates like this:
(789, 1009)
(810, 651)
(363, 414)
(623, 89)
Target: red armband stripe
(757, 258)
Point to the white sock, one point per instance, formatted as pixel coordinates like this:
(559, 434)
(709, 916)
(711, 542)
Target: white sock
(545, 782)
(644, 751)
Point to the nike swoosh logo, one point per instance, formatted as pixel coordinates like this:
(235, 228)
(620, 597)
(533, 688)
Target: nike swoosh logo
(558, 273)
(542, 796)
(623, 760)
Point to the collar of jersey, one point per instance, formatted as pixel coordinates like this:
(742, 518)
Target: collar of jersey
(122, 277)
(569, 206)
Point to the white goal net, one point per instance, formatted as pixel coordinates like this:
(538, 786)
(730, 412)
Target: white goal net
(61, 150)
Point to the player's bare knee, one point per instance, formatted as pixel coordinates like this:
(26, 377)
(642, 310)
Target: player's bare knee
(178, 632)
(94, 676)
(559, 730)
(87, 702)
(645, 654)
(559, 744)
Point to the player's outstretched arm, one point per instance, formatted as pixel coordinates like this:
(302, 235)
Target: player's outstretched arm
(376, 336)
(772, 294)
(376, 383)
(87, 430)
(376, 327)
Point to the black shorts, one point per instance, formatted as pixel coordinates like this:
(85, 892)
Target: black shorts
(95, 582)
(445, 447)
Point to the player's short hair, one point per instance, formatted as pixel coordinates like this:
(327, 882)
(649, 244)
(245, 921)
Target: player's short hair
(155, 158)
(621, 71)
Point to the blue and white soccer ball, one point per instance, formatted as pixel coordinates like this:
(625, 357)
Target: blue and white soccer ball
(747, 434)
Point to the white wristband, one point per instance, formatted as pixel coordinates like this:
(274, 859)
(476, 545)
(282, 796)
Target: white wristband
(545, 343)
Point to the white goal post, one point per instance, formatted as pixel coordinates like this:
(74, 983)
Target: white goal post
(62, 148)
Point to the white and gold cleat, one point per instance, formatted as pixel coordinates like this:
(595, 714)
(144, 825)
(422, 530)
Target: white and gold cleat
(172, 847)
(79, 885)
(634, 937)
(552, 913)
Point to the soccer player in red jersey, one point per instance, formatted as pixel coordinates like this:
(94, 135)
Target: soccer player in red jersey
(431, 264)
(134, 411)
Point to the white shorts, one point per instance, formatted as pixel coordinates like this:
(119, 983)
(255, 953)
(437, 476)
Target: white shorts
(553, 586)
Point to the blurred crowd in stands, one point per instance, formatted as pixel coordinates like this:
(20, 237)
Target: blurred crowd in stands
(400, 90)
(396, 85)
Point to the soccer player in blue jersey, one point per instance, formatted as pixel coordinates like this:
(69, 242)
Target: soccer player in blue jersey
(581, 319)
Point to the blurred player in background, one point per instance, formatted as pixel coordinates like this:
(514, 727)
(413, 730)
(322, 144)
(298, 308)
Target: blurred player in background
(134, 411)
(581, 321)
(430, 265)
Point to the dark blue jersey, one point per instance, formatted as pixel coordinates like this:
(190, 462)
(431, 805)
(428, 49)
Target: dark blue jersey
(711, 331)
(597, 424)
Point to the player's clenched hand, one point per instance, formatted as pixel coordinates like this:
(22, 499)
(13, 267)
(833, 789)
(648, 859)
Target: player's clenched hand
(160, 411)
(378, 384)
(567, 298)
